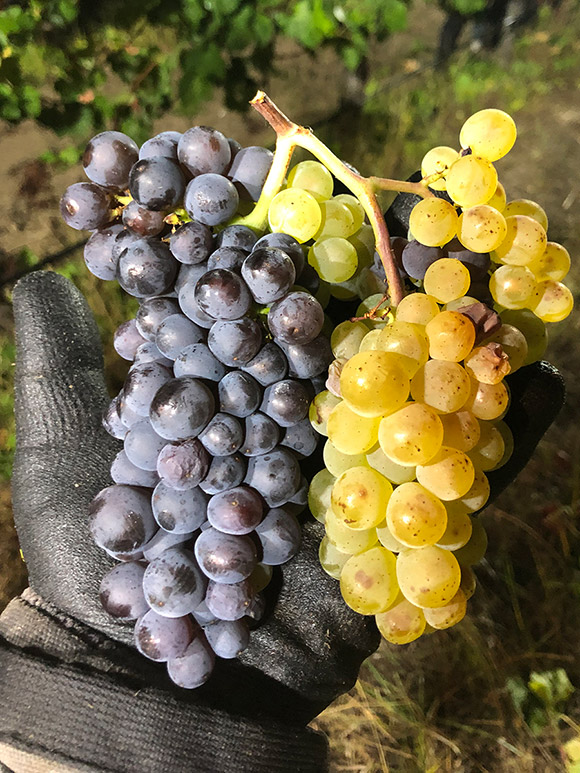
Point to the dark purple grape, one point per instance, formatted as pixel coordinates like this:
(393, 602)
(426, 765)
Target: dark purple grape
(309, 279)
(227, 257)
(296, 319)
(211, 199)
(202, 150)
(143, 221)
(112, 420)
(268, 366)
(128, 417)
(186, 295)
(224, 473)
(173, 583)
(195, 666)
(239, 236)
(276, 476)
(121, 519)
(164, 144)
(175, 333)
(198, 361)
(148, 352)
(301, 438)
(228, 638)
(183, 466)
(261, 435)
(142, 445)
(86, 207)
(123, 471)
(122, 240)
(308, 360)
(417, 258)
(280, 536)
(480, 290)
(179, 512)
(235, 342)
(157, 183)
(202, 615)
(239, 394)
(163, 638)
(98, 252)
(222, 294)
(225, 558)
(141, 385)
(269, 273)
(237, 511)
(398, 244)
(223, 435)
(181, 409)
(229, 602)
(235, 147)
(249, 170)
(108, 159)
(286, 402)
(162, 541)
(192, 243)
(291, 247)
(152, 312)
(477, 263)
(121, 592)
(127, 339)
(301, 496)
(147, 268)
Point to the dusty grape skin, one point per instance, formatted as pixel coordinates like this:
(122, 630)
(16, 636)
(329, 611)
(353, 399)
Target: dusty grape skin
(142, 445)
(223, 435)
(199, 362)
(308, 360)
(179, 512)
(128, 417)
(173, 583)
(211, 199)
(239, 394)
(268, 366)
(163, 144)
(142, 384)
(236, 511)
(239, 236)
(276, 476)
(146, 268)
(249, 170)
(143, 221)
(222, 294)
(108, 159)
(192, 243)
(127, 339)
(112, 420)
(235, 342)
(290, 246)
(230, 258)
(98, 252)
(181, 409)
(224, 473)
(162, 540)
(123, 471)
(280, 536)
(202, 615)
(121, 520)
(229, 602)
(121, 592)
(186, 295)
(203, 150)
(183, 466)
(228, 638)
(162, 638)
(269, 273)
(157, 183)
(262, 435)
(175, 333)
(302, 438)
(296, 319)
(86, 207)
(225, 558)
(195, 666)
(148, 352)
(286, 402)
(122, 240)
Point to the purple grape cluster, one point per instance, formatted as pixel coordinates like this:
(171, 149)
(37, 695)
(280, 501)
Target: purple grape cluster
(227, 352)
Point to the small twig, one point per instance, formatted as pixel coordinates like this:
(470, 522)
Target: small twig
(372, 313)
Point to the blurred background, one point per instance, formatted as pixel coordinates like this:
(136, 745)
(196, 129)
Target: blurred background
(381, 82)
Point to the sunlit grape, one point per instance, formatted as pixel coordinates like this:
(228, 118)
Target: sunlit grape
(412, 435)
(402, 623)
(319, 494)
(331, 558)
(552, 301)
(475, 549)
(437, 161)
(433, 222)
(313, 177)
(350, 432)
(334, 259)
(373, 383)
(368, 581)
(448, 475)
(417, 308)
(370, 341)
(481, 228)
(489, 450)
(490, 133)
(460, 430)
(442, 385)
(498, 200)
(512, 286)
(529, 208)
(408, 342)
(396, 473)
(348, 540)
(346, 339)
(356, 208)
(336, 462)
(488, 364)
(446, 279)
(295, 212)
(554, 264)
(459, 528)
(487, 401)
(478, 494)
(387, 540)
(471, 180)
(360, 497)
(364, 243)
(415, 516)
(524, 242)
(337, 220)
(451, 336)
(450, 614)
(320, 409)
(428, 577)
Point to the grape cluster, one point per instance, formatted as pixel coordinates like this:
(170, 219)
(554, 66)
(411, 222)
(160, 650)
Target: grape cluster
(227, 352)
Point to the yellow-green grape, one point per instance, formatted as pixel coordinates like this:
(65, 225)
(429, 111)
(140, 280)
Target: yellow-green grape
(364, 243)
(471, 180)
(468, 581)
(428, 577)
(490, 133)
(356, 208)
(402, 623)
(449, 615)
(322, 295)
(408, 344)
(459, 303)
(415, 517)
(437, 161)
(552, 301)
(348, 540)
(334, 259)
(446, 280)
(529, 208)
(377, 302)
(417, 308)
(320, 409)
(260, 577)
(514, 344)
(370, 341)
(478, 494)
(498, 200)
(396, 473)
(344, 291)
(360, 497)
(319, 493)
(487, 401)
(337, 220)
(554, 264)
(459, 528)
(525, 241)
(368, 581)
(367, 282)
(488, 364)
(331, 558)
(374, 383)
(336, 462)
(433, 222)
(451, 336)
(512, 287)
(508, 440)
(533, 329)
(350, 432)
(412, 435)
(460, 430)
(474, 551)
(346, 339)
(481, 228)
(295, 212)
(449, 475)
(387, 540)
(442, 385)
(312, 176)
(489, 450)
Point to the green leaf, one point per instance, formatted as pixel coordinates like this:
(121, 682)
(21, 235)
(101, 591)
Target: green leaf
(263, 29)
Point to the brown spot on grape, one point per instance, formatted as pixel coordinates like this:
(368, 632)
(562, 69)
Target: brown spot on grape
(362, 578)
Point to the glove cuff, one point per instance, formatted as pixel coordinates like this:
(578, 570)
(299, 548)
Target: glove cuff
(64, 699)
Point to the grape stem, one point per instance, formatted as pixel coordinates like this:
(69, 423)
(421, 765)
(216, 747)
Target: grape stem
(290, 136)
